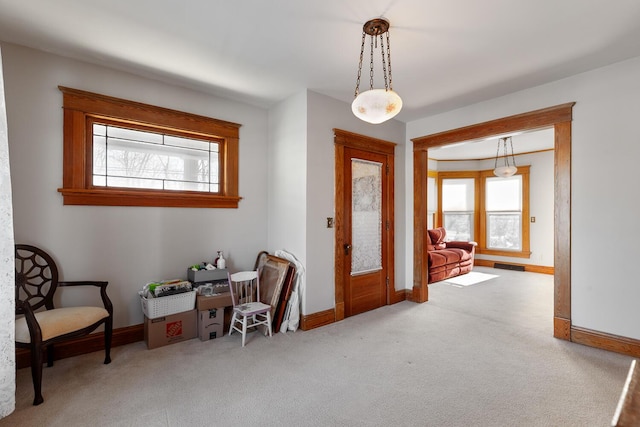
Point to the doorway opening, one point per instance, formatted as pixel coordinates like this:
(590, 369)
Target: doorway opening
(559, 117)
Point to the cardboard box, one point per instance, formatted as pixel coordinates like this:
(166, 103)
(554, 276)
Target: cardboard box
(203, 276)
(167, 330)
(204, 302)
(211, 332)
(210, 324)
(214, 315)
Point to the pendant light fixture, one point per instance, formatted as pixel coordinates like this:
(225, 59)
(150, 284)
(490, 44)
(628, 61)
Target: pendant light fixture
(376, 105)
(509, 166)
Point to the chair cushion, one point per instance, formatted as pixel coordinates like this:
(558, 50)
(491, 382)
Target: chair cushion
(60, 321)
(448, 256)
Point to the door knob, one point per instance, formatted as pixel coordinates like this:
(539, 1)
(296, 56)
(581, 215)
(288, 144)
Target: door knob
(347, 248)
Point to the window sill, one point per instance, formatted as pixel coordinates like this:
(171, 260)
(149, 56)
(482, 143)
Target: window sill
(147, 198)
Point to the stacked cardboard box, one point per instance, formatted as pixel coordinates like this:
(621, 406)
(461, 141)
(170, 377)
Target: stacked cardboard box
(168, 319)
(170, 329)
(211, 315)
(207, 320)
(210, 324)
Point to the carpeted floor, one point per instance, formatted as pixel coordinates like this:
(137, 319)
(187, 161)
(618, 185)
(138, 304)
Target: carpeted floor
(472, 356)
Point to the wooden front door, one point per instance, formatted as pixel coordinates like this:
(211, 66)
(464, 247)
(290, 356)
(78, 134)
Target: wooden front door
(364, 227)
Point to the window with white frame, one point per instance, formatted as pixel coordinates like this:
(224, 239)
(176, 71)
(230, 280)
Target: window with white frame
(458, 208)
(503, 209)
(136, 158)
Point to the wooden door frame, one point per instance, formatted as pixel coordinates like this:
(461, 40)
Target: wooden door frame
(342, 140)
(559, 117)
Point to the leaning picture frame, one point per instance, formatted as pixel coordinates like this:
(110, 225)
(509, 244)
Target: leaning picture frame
(285, 295)
(273, 272)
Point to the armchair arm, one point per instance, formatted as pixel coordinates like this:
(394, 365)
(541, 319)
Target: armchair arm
(100, 284)
(103, 291)
(467, 246)
(35, 333)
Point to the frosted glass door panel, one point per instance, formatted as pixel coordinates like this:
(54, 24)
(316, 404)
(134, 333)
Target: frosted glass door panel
(366, 216)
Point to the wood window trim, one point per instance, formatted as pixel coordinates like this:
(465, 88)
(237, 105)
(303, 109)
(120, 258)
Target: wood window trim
(480, 216)
(77, 188)
(441, 175)
(525, 252)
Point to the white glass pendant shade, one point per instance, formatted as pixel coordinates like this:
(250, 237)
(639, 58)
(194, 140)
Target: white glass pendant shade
(505, 171)
(509, 167)
(376, 105)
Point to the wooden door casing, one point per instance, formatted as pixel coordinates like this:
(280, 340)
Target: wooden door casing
(347, 302)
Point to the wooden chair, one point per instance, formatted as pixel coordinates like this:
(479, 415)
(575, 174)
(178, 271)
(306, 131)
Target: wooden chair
(39, 325)
(245, 287)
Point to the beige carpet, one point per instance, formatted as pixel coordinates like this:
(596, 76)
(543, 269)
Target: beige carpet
(472, 356)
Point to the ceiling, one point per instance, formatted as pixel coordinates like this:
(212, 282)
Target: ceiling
(445, 54)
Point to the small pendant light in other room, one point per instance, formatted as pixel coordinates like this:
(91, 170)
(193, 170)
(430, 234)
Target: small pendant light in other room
(509, 165)
(376, 105)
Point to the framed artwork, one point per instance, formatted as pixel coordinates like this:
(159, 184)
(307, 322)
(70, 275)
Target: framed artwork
(285, 295)
(273, 272)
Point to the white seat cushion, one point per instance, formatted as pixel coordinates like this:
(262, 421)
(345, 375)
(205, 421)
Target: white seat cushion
(60, 321)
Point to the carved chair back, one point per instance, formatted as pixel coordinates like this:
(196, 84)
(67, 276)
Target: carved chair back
(36, 278)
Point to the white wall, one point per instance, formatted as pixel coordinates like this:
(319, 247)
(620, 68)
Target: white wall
(541, 200)
(605, 149)
(541, 181)
(128, 246)
(287, 178)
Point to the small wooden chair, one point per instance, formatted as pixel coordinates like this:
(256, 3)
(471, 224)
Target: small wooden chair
(243, 291)
(37, 329)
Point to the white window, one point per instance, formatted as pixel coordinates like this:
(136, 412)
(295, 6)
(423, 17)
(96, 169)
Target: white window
(132, 158)
(503, 206)
(458, 202)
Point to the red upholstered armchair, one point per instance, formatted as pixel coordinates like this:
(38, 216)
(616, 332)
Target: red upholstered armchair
(448, 259)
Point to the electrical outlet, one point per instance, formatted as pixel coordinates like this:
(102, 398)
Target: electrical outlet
(533, 219)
